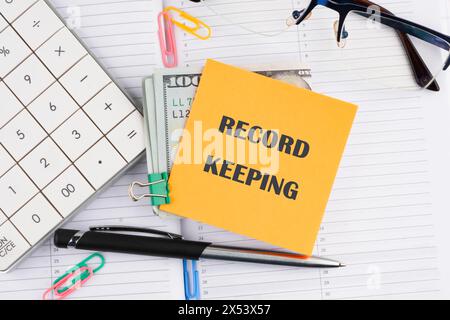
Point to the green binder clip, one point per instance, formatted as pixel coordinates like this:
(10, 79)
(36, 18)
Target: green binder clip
(158, 184)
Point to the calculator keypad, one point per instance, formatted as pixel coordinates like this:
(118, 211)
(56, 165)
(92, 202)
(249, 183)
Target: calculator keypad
(21, 135)
(99, 161)
(128, 136)
(16, 189)
(6, 162)
(3, 24)
(14, 51)
(108, 108)
(77, 135)
(12, 245)
(85, 80)
(3, 217)
(45, 163)
(36, 219)
(11, 9)
(61, 52)
(53, 107)
(37, 24)
(68, 191)
(65, 128)
(10, 105)
(29, 80)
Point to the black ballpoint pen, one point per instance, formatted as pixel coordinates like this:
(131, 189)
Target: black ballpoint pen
(114, 239)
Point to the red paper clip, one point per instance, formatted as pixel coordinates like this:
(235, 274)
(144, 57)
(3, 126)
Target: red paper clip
(78, 284)
(167, 41)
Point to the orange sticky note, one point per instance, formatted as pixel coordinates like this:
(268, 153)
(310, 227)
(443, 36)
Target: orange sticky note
(259, 157)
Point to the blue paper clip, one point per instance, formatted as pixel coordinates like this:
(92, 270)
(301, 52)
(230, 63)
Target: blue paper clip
(191, 286)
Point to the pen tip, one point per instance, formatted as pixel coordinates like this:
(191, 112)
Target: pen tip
(342, 265)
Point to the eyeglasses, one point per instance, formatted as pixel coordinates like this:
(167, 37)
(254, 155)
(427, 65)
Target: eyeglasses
(373, 43)
(425, 74)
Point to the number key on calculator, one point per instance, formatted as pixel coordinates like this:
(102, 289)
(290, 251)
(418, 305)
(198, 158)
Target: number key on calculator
(66, 129)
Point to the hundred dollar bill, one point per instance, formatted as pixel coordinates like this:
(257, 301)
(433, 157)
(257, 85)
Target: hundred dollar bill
(173, 93)
(169, 95)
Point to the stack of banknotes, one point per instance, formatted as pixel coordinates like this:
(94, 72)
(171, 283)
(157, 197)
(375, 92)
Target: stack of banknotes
(169, 95)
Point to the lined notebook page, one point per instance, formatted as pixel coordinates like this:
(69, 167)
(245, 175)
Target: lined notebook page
(121, 34)
(380, 217)
(235, 45)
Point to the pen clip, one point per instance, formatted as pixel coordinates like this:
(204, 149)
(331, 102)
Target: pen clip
(169, 235)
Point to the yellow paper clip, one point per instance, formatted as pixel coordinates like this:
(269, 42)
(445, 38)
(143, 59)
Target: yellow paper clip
(189, 23)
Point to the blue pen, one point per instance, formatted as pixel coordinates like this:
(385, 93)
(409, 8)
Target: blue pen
(191, 286)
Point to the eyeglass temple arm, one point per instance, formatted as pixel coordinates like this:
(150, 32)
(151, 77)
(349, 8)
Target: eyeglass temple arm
(421, 72)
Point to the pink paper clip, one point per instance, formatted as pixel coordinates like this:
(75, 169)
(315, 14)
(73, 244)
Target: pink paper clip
(79, 283)
(167, 41)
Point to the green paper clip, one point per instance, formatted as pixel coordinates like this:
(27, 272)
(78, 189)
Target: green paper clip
(83, 275)
(158, 184)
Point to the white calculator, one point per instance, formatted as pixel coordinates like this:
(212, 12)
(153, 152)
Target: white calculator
(66, 129)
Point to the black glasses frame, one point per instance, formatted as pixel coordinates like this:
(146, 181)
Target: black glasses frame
(365, 8)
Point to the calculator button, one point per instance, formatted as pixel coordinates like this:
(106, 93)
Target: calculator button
(128, 136)
(36, 219)
(109, 107)
(10, 105)
(100, 163)
(45, 163)
(16, 189)
(38, 24)
(12, 246)
(11, 9)
(29, 80)
(14, 51)
(76, 135)
(3, 23)
(61, 52)
(3, 218)
(6, 162)
(68, 191)
(85, 80)
(21, 135)
(53, 107)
